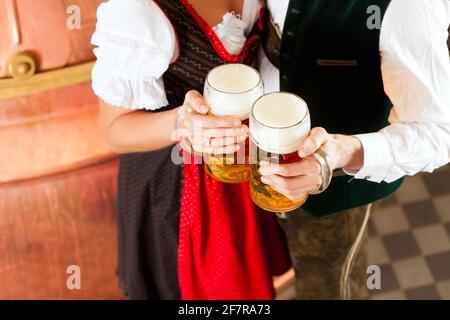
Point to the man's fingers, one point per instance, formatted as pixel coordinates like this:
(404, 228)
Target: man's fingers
(317, 137)
(308, 166)
(196, 101)
(290, 193)
(292, 187)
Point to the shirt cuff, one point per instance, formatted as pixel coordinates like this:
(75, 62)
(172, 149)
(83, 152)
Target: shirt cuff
(377, 158)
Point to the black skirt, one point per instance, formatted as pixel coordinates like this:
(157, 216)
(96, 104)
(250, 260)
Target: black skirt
(150, 187)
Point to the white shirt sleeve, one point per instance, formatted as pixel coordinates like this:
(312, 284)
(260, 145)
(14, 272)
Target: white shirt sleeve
(416, 76)
(135, 46)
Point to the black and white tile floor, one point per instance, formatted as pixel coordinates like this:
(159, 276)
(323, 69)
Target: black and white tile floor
(409, 238)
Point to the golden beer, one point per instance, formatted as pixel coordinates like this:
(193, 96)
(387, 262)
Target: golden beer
(265, 196)
(231, 90)
(279, 122)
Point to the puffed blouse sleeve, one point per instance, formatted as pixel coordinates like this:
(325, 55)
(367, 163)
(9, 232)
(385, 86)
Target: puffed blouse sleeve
(135, 44)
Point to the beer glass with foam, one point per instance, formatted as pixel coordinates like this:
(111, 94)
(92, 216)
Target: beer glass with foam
(231, 90)
(279, 122)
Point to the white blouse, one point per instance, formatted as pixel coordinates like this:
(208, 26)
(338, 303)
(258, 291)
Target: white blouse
(135, 44)
(415, 66)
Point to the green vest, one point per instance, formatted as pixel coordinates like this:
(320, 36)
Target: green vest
(330, 58)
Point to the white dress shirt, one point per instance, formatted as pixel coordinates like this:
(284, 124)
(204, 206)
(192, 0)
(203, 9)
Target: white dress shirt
(415, 66)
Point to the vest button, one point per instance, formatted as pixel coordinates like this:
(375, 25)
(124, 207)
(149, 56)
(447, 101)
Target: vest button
(367, 177)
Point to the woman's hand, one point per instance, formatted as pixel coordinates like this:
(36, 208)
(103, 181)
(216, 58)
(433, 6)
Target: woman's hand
(296, 180)
(209, 134)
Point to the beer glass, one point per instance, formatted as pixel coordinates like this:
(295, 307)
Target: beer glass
(279, 122)
(231, 90)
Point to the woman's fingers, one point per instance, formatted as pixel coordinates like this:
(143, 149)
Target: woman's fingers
(216, 142)
(226, 132)
(230, 149)
(211, 134)
(196, 101)
(215, 132)
(317, 138)
(226, 141)
(196, 121)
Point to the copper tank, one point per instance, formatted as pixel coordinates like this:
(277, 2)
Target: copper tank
(57, 175)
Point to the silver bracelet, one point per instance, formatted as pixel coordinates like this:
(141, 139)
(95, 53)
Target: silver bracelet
(327, 174)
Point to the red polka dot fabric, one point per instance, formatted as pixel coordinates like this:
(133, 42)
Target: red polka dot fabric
(228, 249)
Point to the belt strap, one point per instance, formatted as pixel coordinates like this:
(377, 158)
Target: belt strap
(271, 39)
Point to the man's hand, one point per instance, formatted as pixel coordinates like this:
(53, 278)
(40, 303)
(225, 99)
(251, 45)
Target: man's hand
(296, 180)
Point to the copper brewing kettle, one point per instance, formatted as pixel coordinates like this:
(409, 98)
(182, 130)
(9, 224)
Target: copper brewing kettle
(34, 36)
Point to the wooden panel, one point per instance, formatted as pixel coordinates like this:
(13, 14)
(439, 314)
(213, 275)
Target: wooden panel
(51, 223)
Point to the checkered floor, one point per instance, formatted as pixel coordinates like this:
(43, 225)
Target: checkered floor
(410, 239)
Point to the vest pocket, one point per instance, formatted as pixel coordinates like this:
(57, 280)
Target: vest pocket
(336, 63)
(338, 89)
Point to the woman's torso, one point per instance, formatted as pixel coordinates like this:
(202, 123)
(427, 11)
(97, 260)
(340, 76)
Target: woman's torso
(151, 183)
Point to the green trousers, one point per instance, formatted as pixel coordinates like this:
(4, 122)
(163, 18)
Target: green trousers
(329, 254)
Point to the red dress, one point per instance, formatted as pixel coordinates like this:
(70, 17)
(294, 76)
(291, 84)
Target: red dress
(183, 234)
(228, 248)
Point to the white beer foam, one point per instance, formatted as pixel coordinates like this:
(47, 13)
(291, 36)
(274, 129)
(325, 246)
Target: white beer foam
(280, 122)
(234, 89)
